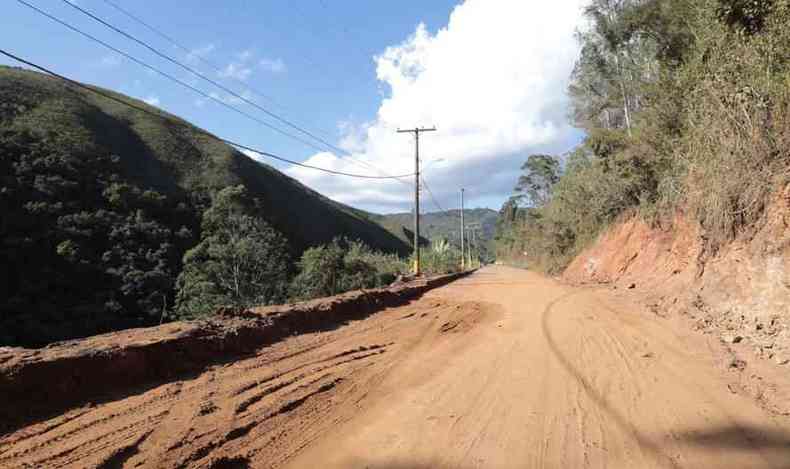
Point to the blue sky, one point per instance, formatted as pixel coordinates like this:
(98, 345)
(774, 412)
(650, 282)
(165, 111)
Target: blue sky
(350, 71)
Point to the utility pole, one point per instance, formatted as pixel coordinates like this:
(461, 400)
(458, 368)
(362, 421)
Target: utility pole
(463, 253)
(476, 259)
(474, 253)
(416, 132)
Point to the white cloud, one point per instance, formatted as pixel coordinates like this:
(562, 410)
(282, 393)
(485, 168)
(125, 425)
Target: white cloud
(194, 55)
(245, 55)
(259, 158)
(152, 100)
(493, 82)
(253, 155)
(237, 70)
(272, 65)
(228, 98)
(353, 136)
(244, 65)
(110, 61)
(241, 68)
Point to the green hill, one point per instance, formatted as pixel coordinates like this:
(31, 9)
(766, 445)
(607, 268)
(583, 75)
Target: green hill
(100, 201)
(446, 224)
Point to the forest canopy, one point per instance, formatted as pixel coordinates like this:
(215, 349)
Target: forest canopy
(684, 104)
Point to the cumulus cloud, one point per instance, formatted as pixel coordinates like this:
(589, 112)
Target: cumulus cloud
(233, 99)
(254, 156)
(353, 135)
(237, 70)
(152, 100)
(244, 64)
(492, 81)
(194, 55)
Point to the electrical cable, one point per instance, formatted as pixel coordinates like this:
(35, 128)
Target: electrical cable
(183, 124)
(168, 76)
(203, 77)
(197, 73)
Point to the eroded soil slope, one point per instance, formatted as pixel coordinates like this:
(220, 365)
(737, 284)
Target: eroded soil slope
(738, 293)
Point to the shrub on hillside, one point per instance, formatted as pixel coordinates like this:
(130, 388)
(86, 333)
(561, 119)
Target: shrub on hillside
(736, 143)
(341, 266)
(441, 258)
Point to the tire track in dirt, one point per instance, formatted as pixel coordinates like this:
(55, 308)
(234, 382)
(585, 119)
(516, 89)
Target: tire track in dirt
(599, 399)
(119, 456)
(234, 411)
(522, 372)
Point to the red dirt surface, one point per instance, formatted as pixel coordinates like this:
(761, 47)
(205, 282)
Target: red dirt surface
(265, 407)
(739, 294)
(34, 383)
(504, 368)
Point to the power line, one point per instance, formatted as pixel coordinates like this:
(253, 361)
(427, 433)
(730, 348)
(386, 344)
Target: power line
(216, 68)
(182, 124)
(196, 90)
(198, 74)
(435, 202)
(186, 49)
(169, 77)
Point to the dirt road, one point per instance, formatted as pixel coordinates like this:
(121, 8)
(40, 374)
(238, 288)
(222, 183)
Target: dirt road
(504, 368)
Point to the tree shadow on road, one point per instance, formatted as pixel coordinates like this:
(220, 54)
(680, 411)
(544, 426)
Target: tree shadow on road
(739, 437)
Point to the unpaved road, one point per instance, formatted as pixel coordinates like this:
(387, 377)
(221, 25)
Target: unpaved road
(504, 368)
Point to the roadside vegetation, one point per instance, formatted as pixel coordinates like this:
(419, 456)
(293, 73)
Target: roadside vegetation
(240, 260)
(341, 266)
(685, 105)
(345, 265)
(441, 258)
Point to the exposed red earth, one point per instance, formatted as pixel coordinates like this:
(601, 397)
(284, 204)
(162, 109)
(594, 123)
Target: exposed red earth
(738, 294)
(503, 368)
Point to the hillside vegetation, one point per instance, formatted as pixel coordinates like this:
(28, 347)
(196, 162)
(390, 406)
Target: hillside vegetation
(686, 106)
(100, 203)
(445, 225)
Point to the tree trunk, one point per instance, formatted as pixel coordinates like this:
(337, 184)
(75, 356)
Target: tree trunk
(625, 95)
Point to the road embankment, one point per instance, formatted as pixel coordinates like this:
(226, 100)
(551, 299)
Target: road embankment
(38, 382)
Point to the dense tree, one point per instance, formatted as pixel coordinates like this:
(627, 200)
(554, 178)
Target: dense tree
(685, 104)
(99, 203)
(343, 265)
(540, 173)
(84, 248)
(240, 260)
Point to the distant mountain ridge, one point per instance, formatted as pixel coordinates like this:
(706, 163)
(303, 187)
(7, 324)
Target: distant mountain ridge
(446, 224)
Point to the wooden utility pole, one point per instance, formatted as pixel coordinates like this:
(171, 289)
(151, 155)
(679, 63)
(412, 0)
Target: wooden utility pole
(416, 132)
(463, 253)
(474, 253)
(474, 261)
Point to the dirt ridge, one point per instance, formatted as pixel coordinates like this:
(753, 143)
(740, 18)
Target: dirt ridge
(38, 382)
